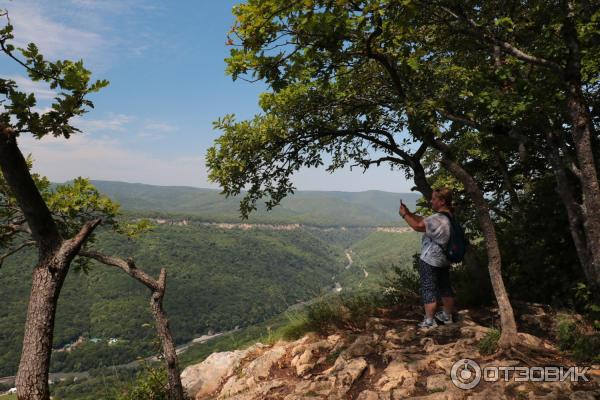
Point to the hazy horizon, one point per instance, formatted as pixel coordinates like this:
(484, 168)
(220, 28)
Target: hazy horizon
(218, 189)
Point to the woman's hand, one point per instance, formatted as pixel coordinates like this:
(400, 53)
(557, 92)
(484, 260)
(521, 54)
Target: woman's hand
(403, 209)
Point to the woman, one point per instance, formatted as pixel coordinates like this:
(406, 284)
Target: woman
(434, 267)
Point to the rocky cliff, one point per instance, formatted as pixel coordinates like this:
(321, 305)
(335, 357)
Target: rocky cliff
(387, 359)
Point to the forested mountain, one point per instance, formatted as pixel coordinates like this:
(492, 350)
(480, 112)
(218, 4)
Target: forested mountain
(217, 279)
(370, 208)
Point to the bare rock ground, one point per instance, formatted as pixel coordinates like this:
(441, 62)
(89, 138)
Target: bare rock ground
(387, 360)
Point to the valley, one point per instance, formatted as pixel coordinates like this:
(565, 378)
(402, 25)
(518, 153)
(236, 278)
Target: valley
(222, 276)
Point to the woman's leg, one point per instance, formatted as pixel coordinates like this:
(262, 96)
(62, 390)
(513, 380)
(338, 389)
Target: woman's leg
(445, 288)
(428, 288)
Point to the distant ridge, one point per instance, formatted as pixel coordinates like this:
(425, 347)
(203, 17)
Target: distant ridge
(327, 208)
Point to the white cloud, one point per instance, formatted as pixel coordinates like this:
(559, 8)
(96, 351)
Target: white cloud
(112, 123)
(92, 30)
(53, 38)
(113, 6)
(106, 159)
(97, 4)
(153, 130)
(160, 127)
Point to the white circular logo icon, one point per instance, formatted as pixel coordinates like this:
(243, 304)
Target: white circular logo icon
(465, 374)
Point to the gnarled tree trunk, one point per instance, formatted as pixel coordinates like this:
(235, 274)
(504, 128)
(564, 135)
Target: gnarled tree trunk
(582, 131)
(55, 256)
(160, 316)
(567, 194)
(32, 376)
(508, 337)
(588, 179)
(166, 338)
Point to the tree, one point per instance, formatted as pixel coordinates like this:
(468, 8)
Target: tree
(345, 81)
(157, 287)
(59, 221)
(55, 252)
(541, 67)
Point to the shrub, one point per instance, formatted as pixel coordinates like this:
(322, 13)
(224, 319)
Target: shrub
(325, 315)
(402, 286)
(489, 343)
(295, 328)
(328, 314)
(583, 342)
(587, 302)
(471, 283)
(150, 384)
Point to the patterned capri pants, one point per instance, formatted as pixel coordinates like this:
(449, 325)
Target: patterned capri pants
(435, 282)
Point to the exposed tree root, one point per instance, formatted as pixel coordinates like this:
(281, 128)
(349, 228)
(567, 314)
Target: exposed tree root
(529, 354)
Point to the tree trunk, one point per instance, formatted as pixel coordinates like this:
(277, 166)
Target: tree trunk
(582, 136)
(508, 336)
(48, 275)
(164, 333)
(55, 256)
(507, 182)
(32, 376)
(48, 278)
(582, 131)
(420, 179)
(158, 288)
(574, 212)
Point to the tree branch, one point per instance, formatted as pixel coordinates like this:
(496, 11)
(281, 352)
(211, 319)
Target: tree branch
(15, 250)
(13, 229)
(21, 62)
(16, 172)
(506, 47)
(160, 317)
(421, 151)
(366, 163)
(128, 266)
(383, 60)
(459, 118)
(73, 245)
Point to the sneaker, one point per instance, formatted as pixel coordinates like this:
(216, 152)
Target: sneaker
(428, 324)
(444, 318)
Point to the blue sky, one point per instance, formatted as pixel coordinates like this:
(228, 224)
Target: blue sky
(165, 64)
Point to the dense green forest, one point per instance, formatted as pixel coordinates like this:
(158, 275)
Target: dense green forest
(219, 279)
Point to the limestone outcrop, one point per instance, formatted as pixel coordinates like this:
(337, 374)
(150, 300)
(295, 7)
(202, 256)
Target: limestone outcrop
(390, 359)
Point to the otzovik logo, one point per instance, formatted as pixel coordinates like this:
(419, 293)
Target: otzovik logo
(466, 374)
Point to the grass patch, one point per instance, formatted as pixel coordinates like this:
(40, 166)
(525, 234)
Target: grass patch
(577, 338)
(324, 316)
(336, 312)
(297, 327)
(489, 344)
(266, 332)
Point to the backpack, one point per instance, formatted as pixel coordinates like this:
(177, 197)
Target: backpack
(457, 244)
